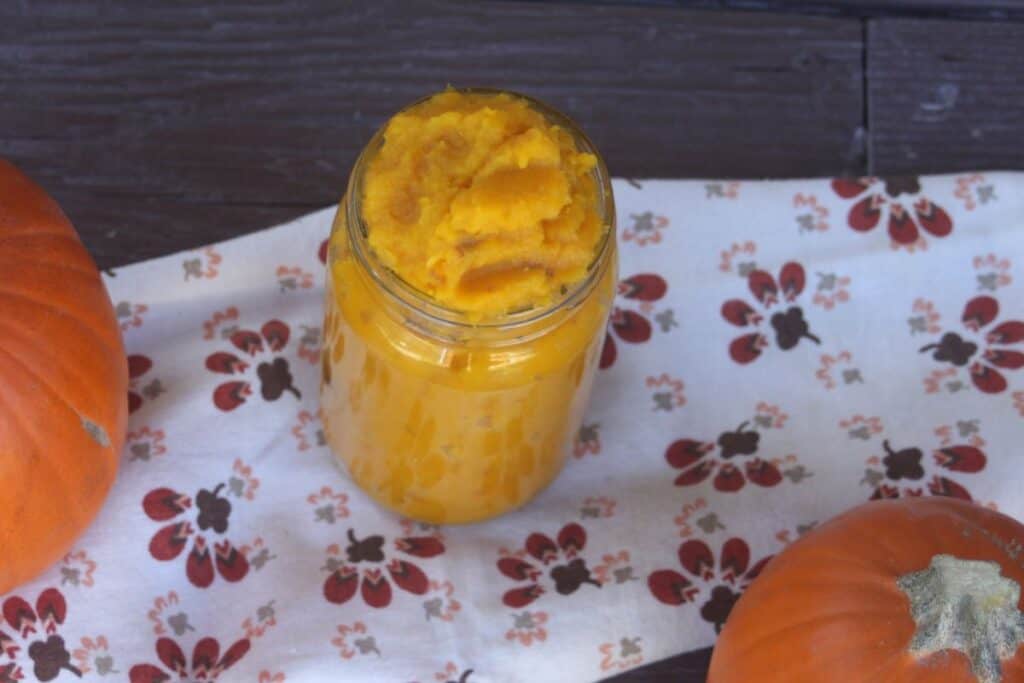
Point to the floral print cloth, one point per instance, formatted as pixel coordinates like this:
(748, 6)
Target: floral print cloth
(780, 352)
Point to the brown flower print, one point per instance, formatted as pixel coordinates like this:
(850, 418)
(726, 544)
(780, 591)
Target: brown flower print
(904, 470)
(723, 584)
(632, 326)
(698, 460)
(365, 563)
(213, 513)
(37, 627)
(789, 327)
(139, 365)
(896, 201)
(273, 372)
(207, 661)
(985, 354)
(569, 573)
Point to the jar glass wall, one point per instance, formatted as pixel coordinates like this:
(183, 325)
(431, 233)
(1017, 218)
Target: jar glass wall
(438, 415)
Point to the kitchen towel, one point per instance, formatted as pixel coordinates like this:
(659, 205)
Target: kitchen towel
(779, 352)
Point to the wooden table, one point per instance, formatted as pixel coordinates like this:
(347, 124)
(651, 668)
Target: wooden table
(160, 128)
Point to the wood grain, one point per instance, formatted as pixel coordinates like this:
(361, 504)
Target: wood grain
(1000, 10)
(944, 96)
(157, 124)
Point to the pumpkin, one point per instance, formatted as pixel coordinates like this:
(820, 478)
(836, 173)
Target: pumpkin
(63, 382)
(915, 590)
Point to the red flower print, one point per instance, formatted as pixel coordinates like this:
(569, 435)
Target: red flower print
(273, 373)
(139, 365)
(528, 628)
(789, 325)
(985, 368)
(722, 584)
(212, 514)
(442, 605)
(568, 574)
(94, 654)
(363, 643)
(903, 471)
(364, 568)
(309, 344)
(994, 272)
(129, 314)
(291, 278)
(308, 430)
(265, 618)
(814, 216)
(878, 200)
(646, 228)
(839, 366)
(145, 443)
(627, 654)
(207, 661)
(787, 536)
(453, 674)
(588, 440)
(37, 627)
(202, 265)
(77, 569)
(632, 326)
(973, 190)
(321, 251)
(213, 326)
(699, 459)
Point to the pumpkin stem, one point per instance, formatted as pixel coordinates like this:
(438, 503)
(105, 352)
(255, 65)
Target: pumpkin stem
(294, 391)
(887, 447)
(812, 337)
(72, 668)
(965, 605)
(217, 489)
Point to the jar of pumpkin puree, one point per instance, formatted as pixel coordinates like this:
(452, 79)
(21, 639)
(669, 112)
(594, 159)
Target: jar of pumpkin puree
(471, 269)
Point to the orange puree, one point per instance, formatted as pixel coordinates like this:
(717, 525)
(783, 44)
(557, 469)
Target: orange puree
(470, 276)
(481, 203)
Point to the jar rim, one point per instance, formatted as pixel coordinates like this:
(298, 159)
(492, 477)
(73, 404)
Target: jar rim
(400, 291)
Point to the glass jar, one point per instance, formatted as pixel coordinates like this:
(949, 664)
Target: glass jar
(440, 418)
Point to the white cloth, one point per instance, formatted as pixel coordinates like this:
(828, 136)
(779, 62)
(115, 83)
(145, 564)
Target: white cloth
(682, 443)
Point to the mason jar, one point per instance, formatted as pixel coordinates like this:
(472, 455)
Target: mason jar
(437, 415)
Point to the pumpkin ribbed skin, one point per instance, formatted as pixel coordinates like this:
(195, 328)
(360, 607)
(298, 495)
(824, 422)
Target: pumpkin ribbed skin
(828, 608)
(63, 382)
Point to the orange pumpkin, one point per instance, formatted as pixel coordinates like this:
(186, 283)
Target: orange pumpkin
(918, 590)
(63, 382)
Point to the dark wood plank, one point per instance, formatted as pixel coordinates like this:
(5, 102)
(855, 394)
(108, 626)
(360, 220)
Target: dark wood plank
(160, 126)
(691, 667)
(1012, 10)
(944, 96)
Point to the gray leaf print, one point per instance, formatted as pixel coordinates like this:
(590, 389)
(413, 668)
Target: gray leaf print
(367, 645)
(629, 646)
(709, 523)
(179, 623)
(105, 665)
(851, 376)
(797, 473)
(872, 478)
(433, 608)
(666, 320)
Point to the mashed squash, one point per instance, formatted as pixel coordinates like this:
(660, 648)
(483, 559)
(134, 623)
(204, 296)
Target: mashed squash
(482, 204)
